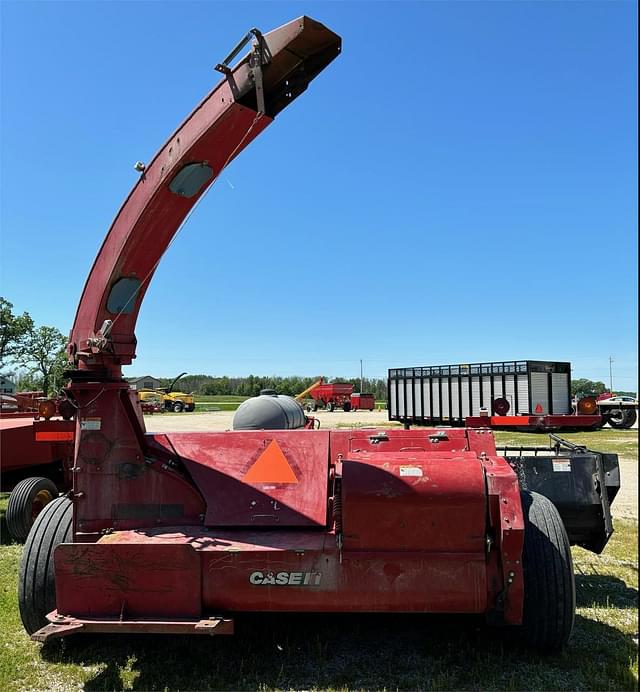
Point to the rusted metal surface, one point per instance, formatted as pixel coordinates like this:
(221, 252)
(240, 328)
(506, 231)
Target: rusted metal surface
(128, 580)
(62, 626)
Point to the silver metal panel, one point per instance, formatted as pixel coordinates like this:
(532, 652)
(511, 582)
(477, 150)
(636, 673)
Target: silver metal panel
(426, 399)
(435, 383)
(465, 397)
(417, 398)
(486, 392)
(523, 394)
(497, 386)
(475, 396)
(444, 383)
(392, 398)
(401, 386)
(455, 398)
(510, 393)
(539, 392)
(560, 392)
(409, 388)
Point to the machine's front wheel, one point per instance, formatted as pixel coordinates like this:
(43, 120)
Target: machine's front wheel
(549, 584)
(36, 584)
(178, 406)
(26, 502)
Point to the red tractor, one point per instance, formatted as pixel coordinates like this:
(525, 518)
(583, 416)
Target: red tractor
(179, 533)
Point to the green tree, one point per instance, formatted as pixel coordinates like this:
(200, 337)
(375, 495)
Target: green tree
(42, 354)
(584, 387)
(13, 329)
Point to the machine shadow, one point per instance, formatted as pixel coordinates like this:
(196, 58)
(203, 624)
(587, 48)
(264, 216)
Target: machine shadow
(605, 591)
(302, 651)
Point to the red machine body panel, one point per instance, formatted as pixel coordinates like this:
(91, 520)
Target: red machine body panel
(270, 478)
(418, 499)
(258, 571)
(112, 579)
(537, 423)
(31, 447)
(18, 446)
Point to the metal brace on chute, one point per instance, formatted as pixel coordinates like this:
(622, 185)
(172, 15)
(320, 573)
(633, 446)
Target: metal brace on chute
(257, 58)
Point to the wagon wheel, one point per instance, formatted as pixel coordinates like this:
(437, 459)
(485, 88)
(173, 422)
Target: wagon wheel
(36, 585)
(26, 502)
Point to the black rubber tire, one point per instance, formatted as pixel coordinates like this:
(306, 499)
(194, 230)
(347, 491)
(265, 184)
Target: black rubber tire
(624, 420)
(331, 406)
(178, 407)
(26, 501)
(346, 407)
(549, 583)
(36, 584)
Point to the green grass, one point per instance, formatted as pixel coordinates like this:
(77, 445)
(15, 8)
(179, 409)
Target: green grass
(218, 402)
(621, 442)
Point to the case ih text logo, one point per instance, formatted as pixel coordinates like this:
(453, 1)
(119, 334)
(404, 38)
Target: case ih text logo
(285, 578)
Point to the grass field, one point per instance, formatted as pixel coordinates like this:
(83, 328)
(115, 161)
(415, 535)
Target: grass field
(621, 442)
(352, 651)
(222, 402)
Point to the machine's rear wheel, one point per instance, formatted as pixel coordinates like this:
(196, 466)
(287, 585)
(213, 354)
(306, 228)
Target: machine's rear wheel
(549, 584)
(330, 406)
(26, 502)
(346, 407)
(36, 585)
(178, 406)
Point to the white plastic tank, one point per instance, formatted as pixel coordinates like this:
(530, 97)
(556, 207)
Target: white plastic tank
(269, 411)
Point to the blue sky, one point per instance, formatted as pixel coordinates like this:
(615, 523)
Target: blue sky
(460, 185)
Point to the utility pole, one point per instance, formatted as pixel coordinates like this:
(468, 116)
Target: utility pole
(610, 374)
(361, 378)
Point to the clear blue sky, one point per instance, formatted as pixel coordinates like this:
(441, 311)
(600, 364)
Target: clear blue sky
(460, 185)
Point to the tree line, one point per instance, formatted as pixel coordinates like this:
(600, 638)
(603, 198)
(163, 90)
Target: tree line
(33, 356)
(252, 385)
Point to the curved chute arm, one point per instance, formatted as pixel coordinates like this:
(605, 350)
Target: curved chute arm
(278, 68)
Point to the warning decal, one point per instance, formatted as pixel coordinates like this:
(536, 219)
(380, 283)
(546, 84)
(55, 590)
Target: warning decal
(271, 467)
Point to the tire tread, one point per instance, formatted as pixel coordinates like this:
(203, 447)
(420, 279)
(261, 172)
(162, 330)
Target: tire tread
(36, 586)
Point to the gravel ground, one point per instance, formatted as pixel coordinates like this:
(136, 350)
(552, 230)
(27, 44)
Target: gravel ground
(625, 505)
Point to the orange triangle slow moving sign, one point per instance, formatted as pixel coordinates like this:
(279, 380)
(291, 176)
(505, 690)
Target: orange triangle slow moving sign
(271, 467)
(539, 408)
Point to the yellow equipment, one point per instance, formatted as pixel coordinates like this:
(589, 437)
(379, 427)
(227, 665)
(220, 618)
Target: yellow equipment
(173, 401)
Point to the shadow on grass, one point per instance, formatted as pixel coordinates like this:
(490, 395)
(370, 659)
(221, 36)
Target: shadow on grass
(605, 591)
(362, 651)
(5, 537)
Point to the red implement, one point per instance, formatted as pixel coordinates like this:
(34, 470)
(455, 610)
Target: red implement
(176, 532)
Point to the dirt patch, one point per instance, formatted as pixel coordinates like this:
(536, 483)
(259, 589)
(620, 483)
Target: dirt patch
(626, 503)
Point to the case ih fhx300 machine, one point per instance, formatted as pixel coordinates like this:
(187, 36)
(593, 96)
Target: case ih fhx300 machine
(178, 533)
